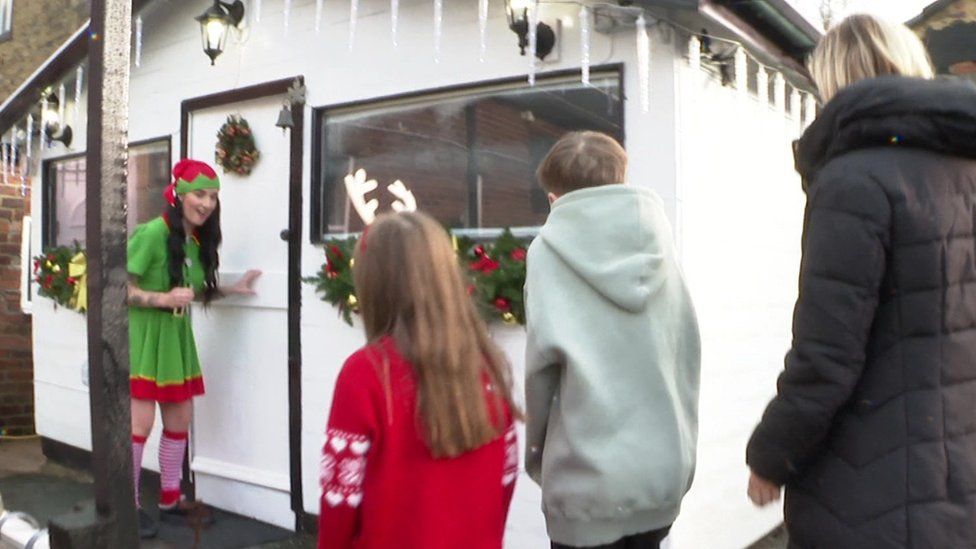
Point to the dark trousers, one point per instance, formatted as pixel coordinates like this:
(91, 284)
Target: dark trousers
(647, 540)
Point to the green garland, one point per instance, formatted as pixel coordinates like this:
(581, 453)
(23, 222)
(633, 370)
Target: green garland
(495, 270)
(236, 151)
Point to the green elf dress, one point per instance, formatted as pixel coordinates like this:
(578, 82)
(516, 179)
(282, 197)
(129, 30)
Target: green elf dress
(162, 350)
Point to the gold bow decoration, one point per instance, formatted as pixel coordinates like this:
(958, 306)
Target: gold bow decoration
(78, 270)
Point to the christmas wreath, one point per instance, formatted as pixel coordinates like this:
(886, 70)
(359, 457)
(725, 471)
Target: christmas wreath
(61, 274)
(236, 151)
(495, 270)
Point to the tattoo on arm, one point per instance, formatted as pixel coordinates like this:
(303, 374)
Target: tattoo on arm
(138, 297)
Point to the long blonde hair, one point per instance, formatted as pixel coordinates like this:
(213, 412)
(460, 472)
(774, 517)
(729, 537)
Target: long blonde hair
(863, 46)
(409, 287)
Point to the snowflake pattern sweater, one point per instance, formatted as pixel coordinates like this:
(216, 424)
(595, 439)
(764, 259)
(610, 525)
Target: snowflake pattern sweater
(381, 488)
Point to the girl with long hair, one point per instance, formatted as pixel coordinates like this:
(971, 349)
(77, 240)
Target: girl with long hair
(172, 261)
(420, 447)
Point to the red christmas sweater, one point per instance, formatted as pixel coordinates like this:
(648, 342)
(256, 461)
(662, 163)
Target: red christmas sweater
(382, 489)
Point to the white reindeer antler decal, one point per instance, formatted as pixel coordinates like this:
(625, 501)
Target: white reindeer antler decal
(357, 187)
(407, 202)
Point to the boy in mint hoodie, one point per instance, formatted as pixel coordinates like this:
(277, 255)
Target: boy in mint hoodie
(612, 358)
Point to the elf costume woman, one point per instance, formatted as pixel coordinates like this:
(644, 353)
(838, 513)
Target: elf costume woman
(172, 261)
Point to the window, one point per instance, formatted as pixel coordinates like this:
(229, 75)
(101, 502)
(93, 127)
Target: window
(6, 18)
(468, 156)
(64, 184)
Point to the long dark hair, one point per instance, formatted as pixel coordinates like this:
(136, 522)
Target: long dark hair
(209, 236)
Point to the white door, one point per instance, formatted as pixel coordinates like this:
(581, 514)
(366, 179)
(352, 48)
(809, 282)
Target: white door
(240, 447)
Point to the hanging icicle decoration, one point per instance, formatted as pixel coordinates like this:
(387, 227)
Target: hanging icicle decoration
(257, 11)
(29, 139)
(533, 40)
(62, 101)
(438, 28)
(353, 17)
(138, 56)
(79, 78)
(286, 12)
(584, 21)
(483, 29)
(644, 62)
(318, 16)
(395, 22)
(5, 158)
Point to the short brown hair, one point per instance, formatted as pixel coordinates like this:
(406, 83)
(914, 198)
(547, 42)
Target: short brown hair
(580, 160)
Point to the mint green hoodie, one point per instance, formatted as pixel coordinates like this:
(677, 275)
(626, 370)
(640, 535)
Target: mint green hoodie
(612, 367)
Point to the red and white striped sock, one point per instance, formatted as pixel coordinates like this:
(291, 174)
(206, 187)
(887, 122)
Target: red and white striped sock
(172, 448)
(138, 445)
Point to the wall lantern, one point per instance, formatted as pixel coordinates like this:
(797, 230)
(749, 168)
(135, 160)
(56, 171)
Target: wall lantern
(215, 23)
(54, 128)
(518, 21)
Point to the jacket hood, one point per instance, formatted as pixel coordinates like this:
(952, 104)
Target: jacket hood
(612, 237)
(937, 115)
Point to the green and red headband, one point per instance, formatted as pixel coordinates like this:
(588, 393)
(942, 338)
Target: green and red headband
(188, 176)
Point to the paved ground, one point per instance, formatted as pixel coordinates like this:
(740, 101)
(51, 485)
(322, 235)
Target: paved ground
(29, 483)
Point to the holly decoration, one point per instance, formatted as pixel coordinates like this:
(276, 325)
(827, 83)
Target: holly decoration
(497, 274)
(51, 274)
(236, 151)
(334, 280)
(495, 271)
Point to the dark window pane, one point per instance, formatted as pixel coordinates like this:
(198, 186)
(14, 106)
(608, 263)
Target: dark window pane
(149, 173)
(469, 157)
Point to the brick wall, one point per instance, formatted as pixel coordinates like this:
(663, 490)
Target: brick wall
(40, 27)
(16, 369)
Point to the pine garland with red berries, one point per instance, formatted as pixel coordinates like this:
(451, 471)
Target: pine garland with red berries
(236, 151)
(495, 271)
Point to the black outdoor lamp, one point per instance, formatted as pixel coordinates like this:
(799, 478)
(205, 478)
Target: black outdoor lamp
(54, 128)
(518, 21)
(214, 24)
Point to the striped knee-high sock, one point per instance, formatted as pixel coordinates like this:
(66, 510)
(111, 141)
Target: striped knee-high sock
(172, 448)
(138, 445)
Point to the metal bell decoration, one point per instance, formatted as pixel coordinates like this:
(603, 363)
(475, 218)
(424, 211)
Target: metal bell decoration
(285, 120)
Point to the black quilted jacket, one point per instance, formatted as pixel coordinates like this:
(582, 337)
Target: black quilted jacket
(873, 429)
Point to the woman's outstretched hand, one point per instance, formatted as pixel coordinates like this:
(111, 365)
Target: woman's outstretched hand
(245, 286)
(761, 491)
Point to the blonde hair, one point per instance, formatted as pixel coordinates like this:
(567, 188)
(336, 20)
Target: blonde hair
(863, 46)
(582, 159)
(409, 286)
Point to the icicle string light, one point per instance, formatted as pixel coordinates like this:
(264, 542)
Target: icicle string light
(584, 22)
(395, 22)
(533, 40)
(318, 16)
(644, 63)
(138, 59)
(438, 28)
(286, 12)
(257, 11)
(353, 17)
(483, 29)
(62, 101)
(79, 78)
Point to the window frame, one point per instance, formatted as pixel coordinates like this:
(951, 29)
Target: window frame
(320, 116)
(48, 200)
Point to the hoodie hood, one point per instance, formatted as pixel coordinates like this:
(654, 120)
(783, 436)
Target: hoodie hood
(612, 237)
(937, 115)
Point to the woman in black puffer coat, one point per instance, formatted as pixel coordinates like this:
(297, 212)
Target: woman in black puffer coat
(873, 429)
